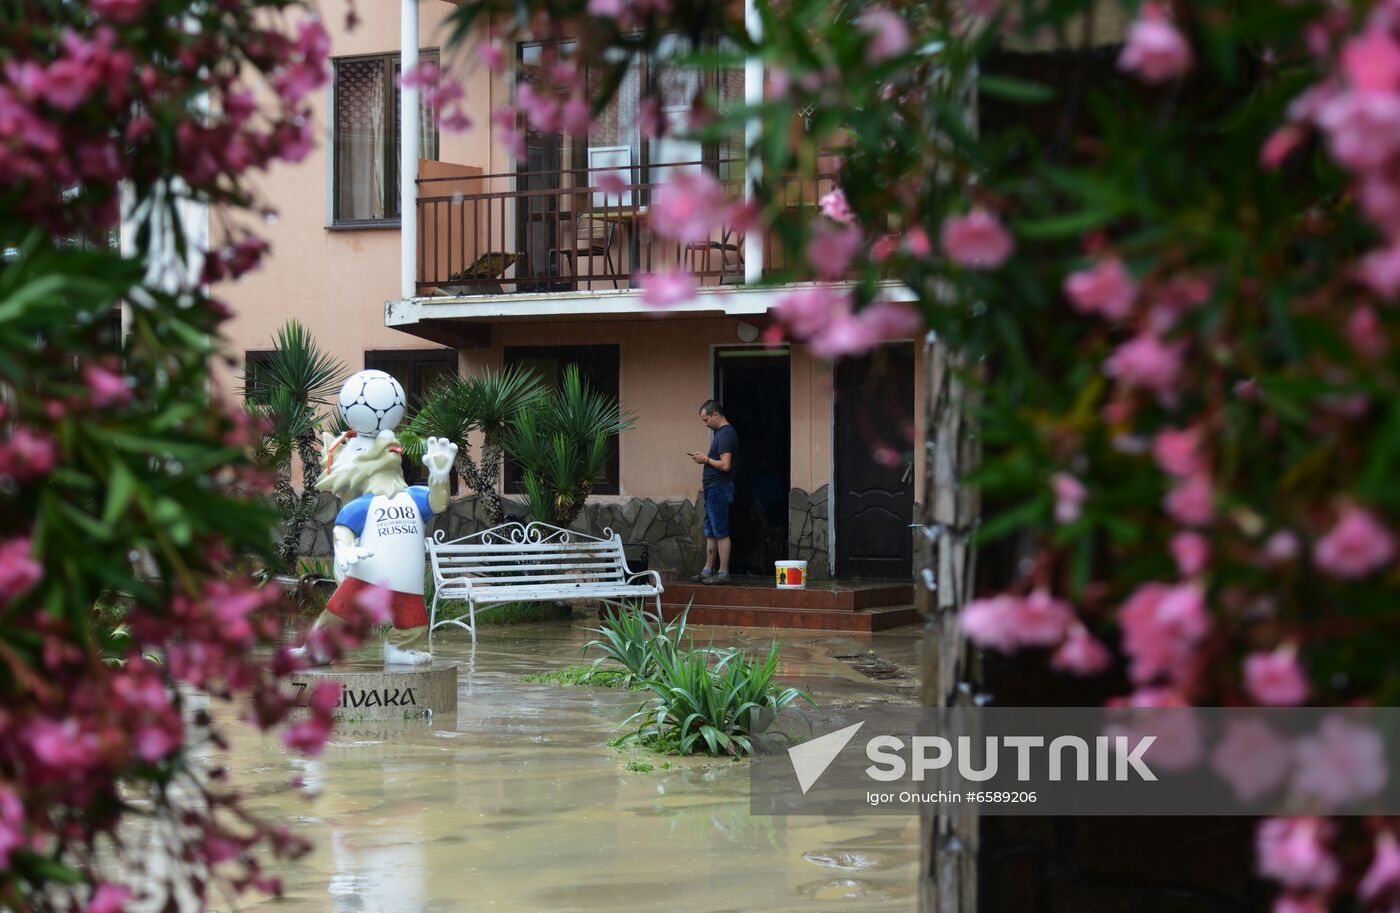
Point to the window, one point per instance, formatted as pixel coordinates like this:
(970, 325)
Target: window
(417, 371)
(255, 366)
(366, 145)
(599, 367)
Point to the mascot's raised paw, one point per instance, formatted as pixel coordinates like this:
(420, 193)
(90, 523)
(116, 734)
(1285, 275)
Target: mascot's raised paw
(438, 456)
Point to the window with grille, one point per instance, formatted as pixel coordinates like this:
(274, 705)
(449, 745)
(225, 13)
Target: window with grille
(365, 150)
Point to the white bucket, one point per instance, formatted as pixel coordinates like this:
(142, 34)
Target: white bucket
(790, 575)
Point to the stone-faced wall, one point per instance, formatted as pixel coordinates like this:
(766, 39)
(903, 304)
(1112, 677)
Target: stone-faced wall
(808, 526)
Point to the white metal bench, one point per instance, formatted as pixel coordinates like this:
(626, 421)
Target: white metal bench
(532, 562)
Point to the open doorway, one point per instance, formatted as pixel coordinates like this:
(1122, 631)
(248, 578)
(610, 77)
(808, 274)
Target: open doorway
(754, 386)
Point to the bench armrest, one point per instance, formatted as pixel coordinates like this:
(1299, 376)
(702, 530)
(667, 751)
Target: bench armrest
(654, 575)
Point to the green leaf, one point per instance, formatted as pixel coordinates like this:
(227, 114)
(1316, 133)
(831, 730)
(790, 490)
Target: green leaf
(1009, 88)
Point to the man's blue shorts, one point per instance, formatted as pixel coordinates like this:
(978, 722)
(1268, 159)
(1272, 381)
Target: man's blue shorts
(718, 497)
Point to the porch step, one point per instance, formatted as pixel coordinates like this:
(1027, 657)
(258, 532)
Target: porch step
(757, 593)
(878, 618)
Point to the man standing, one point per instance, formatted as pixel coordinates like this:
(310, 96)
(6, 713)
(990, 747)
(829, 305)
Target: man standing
(718, 479)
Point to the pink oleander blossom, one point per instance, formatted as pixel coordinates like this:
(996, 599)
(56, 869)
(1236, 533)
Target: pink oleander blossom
(1163, 713)
(1281, 547)
(1069, 497)
(845, 336)
(1383, 875)
(1162, 628)
(1275, 679)
(1081, 654)
(1008, 623)
(1155, 50)
(1380, 271)
(107, 388)
(1366, 333)
(891, 320)
(835, 207)
(1147, 362)
(889, 34)
(1363, 128)
(918, 243)
(1356, 546)
(1371, 62)
(1191, 551)
(1293, 852)
(1105, 289)
(1191, 502)
(808, 311)
(1178, 451)
(976, 240)
(108, 898)
(1251, 757)
(1279, 146)
(667, 288)
(831, 249)
(18, 569)
(689, 207)
(1344, 761)
(541, 110)
(493, 55)
(27, 454)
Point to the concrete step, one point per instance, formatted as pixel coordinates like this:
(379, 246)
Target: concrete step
(743, 594)
(877, 618)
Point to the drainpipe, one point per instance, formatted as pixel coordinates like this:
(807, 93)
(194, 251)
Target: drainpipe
(408, 150)
(753, 132)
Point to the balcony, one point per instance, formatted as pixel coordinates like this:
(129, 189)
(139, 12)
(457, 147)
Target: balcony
(560, 231)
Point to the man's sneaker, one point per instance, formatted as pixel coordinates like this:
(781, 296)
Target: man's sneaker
(716, 580)
(704, 576)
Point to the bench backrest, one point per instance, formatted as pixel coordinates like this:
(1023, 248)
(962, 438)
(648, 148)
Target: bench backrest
(524, 555)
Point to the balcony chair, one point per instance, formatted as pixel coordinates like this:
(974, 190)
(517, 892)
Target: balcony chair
(593, 237)
(731, 241)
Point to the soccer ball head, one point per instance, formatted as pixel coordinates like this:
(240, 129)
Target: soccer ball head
(371, 402)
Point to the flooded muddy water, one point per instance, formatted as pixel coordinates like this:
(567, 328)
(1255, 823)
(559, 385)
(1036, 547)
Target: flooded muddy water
(518, 804)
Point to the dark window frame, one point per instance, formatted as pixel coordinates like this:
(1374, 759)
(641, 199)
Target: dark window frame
(607, 357)
(393, 205)
(252, 358)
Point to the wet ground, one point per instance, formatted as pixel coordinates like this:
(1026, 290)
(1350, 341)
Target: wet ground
(519, 804)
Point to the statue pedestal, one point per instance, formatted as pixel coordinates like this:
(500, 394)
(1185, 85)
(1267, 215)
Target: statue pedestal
(373, 691)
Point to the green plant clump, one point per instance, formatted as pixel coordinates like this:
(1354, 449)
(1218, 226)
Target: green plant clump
(633, 639)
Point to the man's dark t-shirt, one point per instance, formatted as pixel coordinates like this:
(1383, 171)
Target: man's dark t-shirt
(724, 440)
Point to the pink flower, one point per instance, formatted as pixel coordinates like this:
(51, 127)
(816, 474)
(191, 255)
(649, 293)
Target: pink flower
(1379, 270)
(18, 569)
(507, 130)
(1343, 762)
(884, 248)
(1081, 653)
(377, 604)
(830, 250)
(1163, 713)
(107, 387)
(1279, 146)
(1371, 62)
(1251, 757)
(1190, 502)
(976, 240)
(119, 10)
(835, 207)
(1363, 129)
(1191, 552)
(1383, 875)
(542, 111)
(26, 454)
(61, 745)
(1380, 200)
(1069, 497)
(108, 898)
(1178, 451)
(576, 117)
(689, 207)
(607, 9)
(844, 336)
(1146, 361)
(891, 319)
(649, 122)
(1356, 546)
(991, 623)
(1162, 626)
(1106, 288)
(1366, 333)
(808, 311)
(493, 55)
(1275, 679)
(1282, 547)
(1292, 851)
(918, 243)
(613, 184)
(1155, 50)
(889, 35)
(309, 736)
(1007, 623)
(1300, 903)
(667, 288)
(156, 740)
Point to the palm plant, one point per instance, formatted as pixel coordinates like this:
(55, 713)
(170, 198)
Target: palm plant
(561, 444)
(487, 403)
(287, 392)
(710, 696)
(633, 639)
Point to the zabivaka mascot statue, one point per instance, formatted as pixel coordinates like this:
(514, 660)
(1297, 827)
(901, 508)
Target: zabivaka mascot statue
(380, 530)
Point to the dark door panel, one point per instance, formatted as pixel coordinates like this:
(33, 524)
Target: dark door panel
(874, 459)
(754, 386)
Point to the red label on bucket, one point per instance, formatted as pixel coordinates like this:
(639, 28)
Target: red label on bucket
(789, 576)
